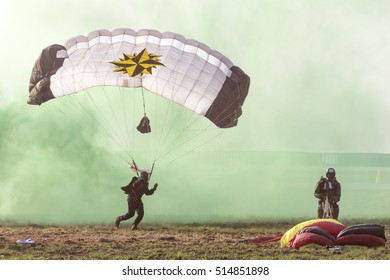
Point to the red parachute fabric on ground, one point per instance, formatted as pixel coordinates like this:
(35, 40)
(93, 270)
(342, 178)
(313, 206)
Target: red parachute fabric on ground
(307, 238)
(361, 240)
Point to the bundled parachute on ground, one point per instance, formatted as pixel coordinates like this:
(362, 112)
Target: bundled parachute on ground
(327, 233)
(317, 231)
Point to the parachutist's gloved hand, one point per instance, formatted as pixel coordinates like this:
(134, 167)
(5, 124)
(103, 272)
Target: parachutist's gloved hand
(155, 186)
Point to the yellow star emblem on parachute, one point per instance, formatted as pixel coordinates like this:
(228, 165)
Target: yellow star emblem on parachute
(137, 64)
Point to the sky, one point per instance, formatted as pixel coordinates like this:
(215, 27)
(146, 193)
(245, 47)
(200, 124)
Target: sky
(319, 84)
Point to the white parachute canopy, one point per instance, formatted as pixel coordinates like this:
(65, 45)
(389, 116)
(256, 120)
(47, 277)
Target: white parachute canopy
(183, 71)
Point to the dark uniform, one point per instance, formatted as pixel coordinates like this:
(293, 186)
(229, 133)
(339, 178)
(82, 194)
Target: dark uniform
(135, 190)
(329, 188)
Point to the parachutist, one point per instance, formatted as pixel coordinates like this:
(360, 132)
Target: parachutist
(135, 190)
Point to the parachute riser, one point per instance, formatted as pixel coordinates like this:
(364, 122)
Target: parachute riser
(151, 170)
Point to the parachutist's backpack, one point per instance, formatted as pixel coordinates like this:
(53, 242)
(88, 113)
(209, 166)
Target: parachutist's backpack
(127, 189)
(144, 125)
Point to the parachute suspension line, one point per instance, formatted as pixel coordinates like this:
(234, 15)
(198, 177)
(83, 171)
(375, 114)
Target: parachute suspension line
(143, 99)
(156, 133)
(71, 114)
(126, 126)
(202, 143)
(108, 127)
(162, 129)
(133, 134)
(133, 124)
(123, 120)
(64, 101)
(181, 138)
(169, 146)
(104, 124)
(193, 149)
(156, 124)
(166, 146)
(165, 128)
(175, 145)
(116, 119)
(165, 132)
(86, 114)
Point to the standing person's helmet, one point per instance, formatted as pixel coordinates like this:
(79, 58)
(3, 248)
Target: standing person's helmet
(330, 171)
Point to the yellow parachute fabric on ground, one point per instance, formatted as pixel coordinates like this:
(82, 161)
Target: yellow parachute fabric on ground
(288, 235)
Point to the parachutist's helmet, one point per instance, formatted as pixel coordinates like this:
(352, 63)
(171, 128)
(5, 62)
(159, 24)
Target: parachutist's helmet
(330, 171)
(145, 175)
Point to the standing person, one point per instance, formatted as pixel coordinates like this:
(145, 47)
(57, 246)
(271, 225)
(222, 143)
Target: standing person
(135, 190)
(328, 192)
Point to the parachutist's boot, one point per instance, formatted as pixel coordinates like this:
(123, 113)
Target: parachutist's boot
(134, 227)
(118, 221)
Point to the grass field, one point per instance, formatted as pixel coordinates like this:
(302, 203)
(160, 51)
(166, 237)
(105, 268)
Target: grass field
(166, 242)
